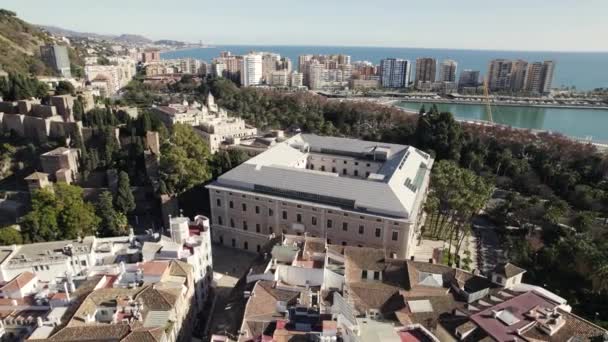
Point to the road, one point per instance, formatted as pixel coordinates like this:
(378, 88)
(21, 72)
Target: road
(489, 248)
(230, 266)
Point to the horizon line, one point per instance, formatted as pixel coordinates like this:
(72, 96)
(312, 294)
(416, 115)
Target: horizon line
(212, 45)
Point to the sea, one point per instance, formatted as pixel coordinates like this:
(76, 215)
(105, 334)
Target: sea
(583, 70)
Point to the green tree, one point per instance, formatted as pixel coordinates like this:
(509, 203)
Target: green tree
(124, 200)
(112, 222)
(64, 88)
(10, 236)
(62, 214)
(439, 132)
(76, 217)
(184, 160)
(555, 210)
(78, 109)
(41, 223)
(457, 195)
(110, 146)
(583, 221)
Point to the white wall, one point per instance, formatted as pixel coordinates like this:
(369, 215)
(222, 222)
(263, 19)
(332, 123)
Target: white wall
(299, 275)
(332, 280)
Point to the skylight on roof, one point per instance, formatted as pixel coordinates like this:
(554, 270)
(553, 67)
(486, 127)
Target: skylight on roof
(430, 279)
(506, 317)
(420, 306)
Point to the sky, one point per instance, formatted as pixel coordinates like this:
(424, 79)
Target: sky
(543, 25)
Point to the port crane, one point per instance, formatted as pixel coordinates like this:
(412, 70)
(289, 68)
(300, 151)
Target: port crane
(486, 96)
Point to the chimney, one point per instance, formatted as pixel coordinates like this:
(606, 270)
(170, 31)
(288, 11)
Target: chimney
(71, 284)
(39, 321)
(67, 291)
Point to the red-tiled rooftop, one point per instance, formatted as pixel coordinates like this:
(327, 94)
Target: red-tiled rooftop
(109, 282)
(517, 307)
(59, 296)
(18, 282)
(153, 268)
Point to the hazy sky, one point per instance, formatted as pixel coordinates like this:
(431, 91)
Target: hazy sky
(563, 25)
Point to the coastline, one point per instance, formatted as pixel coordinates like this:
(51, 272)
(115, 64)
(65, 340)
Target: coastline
(504, 103)
(188, 48)
(600, 145)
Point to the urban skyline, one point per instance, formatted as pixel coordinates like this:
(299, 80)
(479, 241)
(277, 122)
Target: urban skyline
(543, 30)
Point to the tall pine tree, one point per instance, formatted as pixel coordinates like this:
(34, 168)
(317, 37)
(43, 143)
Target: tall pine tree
(124, 200)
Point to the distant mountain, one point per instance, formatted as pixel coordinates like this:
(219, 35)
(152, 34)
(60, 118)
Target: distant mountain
(168, 42)
(58, 31)
(132, 39)
(123, 38)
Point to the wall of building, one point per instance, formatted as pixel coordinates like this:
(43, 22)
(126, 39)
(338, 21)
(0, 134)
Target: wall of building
(337, 225)
(39, 128)
(299, 276)
(48, 271)
(342, 165)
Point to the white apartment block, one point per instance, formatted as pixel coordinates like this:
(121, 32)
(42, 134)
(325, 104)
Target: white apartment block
(181, 113)
(279, 78)
(114, 76)
(447, 71)
(296, 79)
(251, 70)
(217, 127)
(395, 73)
(347, 191)
(211, 122)
(52, 262)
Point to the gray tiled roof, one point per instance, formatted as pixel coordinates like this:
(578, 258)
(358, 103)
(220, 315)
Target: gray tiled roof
(274, 172)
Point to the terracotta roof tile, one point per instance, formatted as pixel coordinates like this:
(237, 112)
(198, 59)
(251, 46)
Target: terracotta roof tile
(154, 268)
(18, 282)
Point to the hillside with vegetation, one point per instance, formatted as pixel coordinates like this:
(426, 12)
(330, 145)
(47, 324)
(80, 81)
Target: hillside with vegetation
(20, 46)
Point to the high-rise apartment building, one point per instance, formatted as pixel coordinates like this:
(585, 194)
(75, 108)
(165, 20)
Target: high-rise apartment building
(270, 64)
(317, 75)
(518, 75)
(56, 57)
(304, 67)
(278, 78)
(539, 77)
(468, 79)
(337, 68)
(284, 64)
(296, 79)
(447, 71)
(218, 68)
(251, 70)
(499, 74)
(364, 70)
(150, 56)
(394, 73)
(548, 68)
(426, 70)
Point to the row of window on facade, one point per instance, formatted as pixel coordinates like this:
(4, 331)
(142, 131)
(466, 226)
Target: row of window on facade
(47, 267)
(218, 203)
(377, 233)
(259, 248)
(344, 171)
(344, 161)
